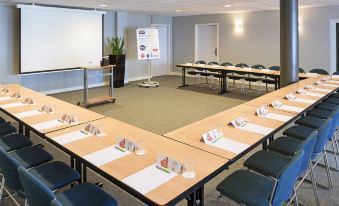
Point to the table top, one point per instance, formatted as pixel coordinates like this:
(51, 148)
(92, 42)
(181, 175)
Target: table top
(205, 164)
(25, 92)
(82, 115)
(192, 133)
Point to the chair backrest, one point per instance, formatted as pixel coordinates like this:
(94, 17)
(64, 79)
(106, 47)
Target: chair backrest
(287, 179)
(274, 68)
(8, 167)
(301, 70)
(323, 135)
(213, 63)
(319, 71)
(307, 145)
(258, 66)
(200, 62)
(241, 65)
(335, 111)
(336, 73)
(37, 193)
(226, 64)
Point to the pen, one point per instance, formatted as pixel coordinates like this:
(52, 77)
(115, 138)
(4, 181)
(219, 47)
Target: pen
(120, 149)
(163, 169)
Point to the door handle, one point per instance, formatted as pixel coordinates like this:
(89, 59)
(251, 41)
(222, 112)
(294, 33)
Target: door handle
(216, 51)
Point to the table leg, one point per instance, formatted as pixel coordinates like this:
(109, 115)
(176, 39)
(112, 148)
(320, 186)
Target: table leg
(271, 139)
(223, 83)
(27, 132)
(264, 145)
(196, 198)
(21, 128)
(84, 173)
(78, 169)
(183, 78)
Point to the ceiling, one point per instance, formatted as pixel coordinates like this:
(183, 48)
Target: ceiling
(170, 7)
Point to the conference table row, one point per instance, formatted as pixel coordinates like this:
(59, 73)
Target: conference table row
(65, 126)
(225, 70)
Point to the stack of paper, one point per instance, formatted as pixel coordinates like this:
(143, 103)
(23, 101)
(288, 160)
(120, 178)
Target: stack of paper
(5, 98)
(28, 114)
(256, 128)
(278, 117)
(307, 101)
(314, 94)
(106, 155)
(47, 125)
(229, 145)
(71, 137)
(149, 179)
(334, 81)
(12, 105)
(291, 108)
(322, 90)
(330, 85)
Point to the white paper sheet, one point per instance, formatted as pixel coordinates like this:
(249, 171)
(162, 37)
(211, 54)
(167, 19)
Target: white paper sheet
(334, 81)
(12, 105)
(106, 155)
(314, 94)
(330, 85)
(5, 98)
(322, 90)
(47, 125)
(278, 117)
(229, 145)
(28, 114)
(256, 128)
(71, 137)
(291, 108)
(148, 179)
(307, 101)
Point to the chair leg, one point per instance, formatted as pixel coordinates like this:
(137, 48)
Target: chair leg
(314, 184)
(2, 187)
(329, 177)
(296, 202)
(266, 87)
(218, 199)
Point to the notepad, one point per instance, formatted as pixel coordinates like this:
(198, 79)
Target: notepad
(322, 90)
(71, 137)
(5, 98)
(48, 125)
(291, 108)
(278, 117)
(12, 105)
(148, 179)
(106, 155)
(307, 101)
(229, 145)
(28, 114)
(330, 85)
(256, 128)
(314, 94)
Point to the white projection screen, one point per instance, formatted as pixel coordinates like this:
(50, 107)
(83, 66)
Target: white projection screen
(55, 39)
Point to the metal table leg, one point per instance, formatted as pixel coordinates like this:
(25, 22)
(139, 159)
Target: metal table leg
(183, 77)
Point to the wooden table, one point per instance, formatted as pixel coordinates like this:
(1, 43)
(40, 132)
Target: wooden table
(206, 165)
(223, 70)
(192, 133)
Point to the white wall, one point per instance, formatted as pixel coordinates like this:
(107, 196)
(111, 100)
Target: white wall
(259, 42)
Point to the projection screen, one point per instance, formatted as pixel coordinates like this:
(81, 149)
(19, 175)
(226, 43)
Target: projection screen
(55, 39)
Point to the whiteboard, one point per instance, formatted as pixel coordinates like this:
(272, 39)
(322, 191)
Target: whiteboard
(148, 43)
(58, 38)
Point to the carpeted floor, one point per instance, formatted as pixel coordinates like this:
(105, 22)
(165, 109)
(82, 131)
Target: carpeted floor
(167, 108)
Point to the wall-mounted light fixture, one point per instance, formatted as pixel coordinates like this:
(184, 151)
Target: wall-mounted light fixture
(238, 26)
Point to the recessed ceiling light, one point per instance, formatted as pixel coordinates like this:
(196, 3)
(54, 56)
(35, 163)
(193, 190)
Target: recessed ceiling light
(103, 5)
(227, 5)
(178, 10)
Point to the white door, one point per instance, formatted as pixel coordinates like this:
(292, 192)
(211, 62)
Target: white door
(161, 66)
(206, 42)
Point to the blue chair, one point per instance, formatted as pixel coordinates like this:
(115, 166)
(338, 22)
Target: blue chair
(54, 175)
(2, 120)
(256, 77)
(6, 129)
(225, 64)
(38, 194)
(269, 79)
(239, 76)
(319, 152)
(301, 70)
(196, 73)
(319, 71)
(14, 142)
(271, 162)
(249, 188)
(336, 73)
(213, 74)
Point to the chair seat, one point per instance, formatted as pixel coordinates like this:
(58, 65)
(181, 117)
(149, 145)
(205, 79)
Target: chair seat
(310, 121)
(247, 188)
(269, 81)
(299, 132)
(193, 73)
(55, 175)
(205, 74)
(86, 195)
(335, 95)
(332, 100)
(218, 75)
(268, 163)
(285, 145)
(328, 107)
(253, 79)
(320, 113)
(6, 129)
(236, 77)
(14, 142)
(30, 157)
